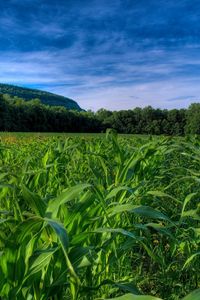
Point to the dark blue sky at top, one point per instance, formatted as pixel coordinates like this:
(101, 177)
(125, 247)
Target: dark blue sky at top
(116, 54)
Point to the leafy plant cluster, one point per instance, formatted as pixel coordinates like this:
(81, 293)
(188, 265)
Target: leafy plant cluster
(33, 116)
(111, 218)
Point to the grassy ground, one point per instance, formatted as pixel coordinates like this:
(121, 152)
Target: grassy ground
(60, 134)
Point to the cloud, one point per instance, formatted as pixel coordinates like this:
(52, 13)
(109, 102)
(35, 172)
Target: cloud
(134, 79)
(116, 54)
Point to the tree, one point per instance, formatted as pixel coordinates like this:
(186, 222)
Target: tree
(193, 119)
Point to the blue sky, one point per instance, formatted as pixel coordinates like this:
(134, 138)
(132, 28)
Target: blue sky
(116, 54)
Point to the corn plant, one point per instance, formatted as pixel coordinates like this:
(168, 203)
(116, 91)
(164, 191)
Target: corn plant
(99, 218)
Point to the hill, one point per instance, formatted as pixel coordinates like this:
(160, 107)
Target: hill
(45, 97)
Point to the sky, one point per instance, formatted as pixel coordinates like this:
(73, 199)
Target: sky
(113, 54)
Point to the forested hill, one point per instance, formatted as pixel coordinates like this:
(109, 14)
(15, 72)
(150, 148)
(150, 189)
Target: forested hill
(45, 97)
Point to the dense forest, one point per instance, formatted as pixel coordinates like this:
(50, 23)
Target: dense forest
(17, 114)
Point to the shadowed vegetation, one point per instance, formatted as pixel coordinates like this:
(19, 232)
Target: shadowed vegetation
(17, 114)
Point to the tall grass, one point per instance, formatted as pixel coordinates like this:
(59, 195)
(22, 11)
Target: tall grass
(99, 218)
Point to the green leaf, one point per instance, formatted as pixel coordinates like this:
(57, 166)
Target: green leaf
(116, 190)
(42, 260)
(160, 228)
(162, 195)
(29, 227)
(34, 201)
(193, 213)
(60, 231)
(66, 196)
(117, 230)
(146, 211)
(195, 295)
(186, 201)
(128, 287)
(121, 208)
(64, 241)
(190, 259)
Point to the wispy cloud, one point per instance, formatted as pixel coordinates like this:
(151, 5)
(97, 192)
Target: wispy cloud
(116, 54)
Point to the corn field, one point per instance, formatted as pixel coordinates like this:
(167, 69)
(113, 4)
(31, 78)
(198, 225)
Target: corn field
(99, 218)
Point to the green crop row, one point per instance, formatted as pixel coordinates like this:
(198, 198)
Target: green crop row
(101, 218)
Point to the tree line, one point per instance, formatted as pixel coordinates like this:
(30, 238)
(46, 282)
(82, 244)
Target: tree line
(17, 114)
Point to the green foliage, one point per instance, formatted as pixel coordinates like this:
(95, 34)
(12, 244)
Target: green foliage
(33, 116)
(192, 296)
(193, 119)
(16, 114)
(111, 218)
(145, 121)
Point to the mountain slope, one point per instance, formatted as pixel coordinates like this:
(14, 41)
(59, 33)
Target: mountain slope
(45, 97)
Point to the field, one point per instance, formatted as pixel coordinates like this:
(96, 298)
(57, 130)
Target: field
(99, 217)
